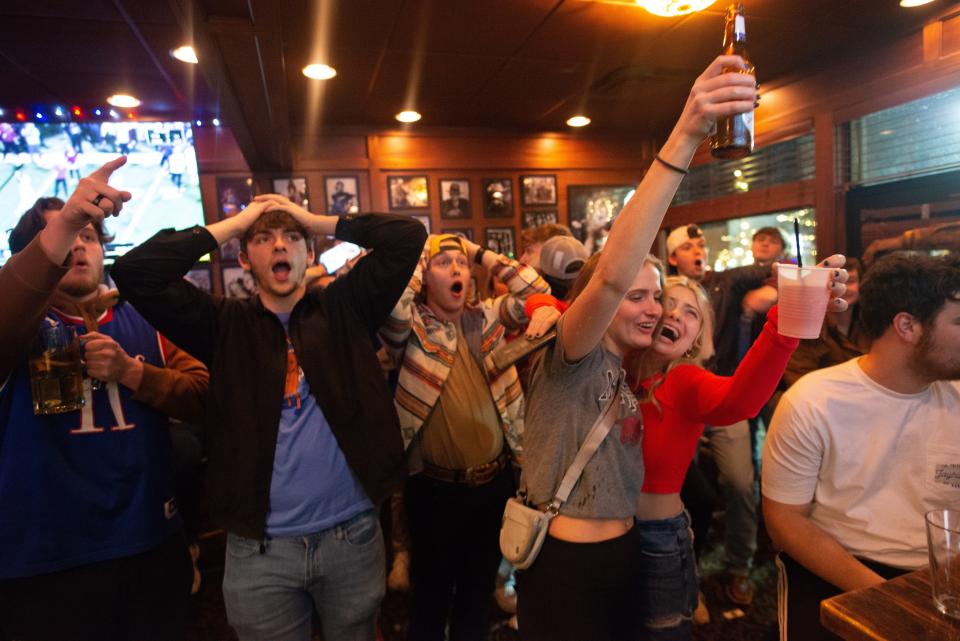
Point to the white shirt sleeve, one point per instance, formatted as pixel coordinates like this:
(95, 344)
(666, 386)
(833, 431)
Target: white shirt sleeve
(792, 454)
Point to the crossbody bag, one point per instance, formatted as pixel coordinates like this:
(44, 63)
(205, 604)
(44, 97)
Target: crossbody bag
(524, 528)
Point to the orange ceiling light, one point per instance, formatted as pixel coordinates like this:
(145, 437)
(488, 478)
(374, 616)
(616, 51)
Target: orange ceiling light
(319, 71)
(185, 53)
(124, 101)
(671, 8)
(408, 116)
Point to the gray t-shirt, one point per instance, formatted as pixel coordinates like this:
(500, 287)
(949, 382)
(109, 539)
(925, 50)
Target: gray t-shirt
(563, 402)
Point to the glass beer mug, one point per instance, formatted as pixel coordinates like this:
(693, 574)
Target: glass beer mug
(56, 374)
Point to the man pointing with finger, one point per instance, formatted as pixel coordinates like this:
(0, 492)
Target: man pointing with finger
(91, 545)
(303, 436)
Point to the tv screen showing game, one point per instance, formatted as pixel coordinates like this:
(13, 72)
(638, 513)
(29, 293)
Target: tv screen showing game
(42, 159)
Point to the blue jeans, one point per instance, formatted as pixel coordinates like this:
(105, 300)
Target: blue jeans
(340, 571)
(667, 577)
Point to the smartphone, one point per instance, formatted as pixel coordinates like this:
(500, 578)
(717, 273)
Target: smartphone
(337, 256)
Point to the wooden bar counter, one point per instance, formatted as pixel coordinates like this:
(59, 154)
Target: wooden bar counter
(899, 610)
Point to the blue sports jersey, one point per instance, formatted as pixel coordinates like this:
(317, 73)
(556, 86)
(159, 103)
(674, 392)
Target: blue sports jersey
(89, 485)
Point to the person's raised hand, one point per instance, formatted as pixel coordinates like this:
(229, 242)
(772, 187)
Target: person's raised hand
(247, 216)
(276, 202)
(542, 321)
(836, 281)
(716, 94)
(94, 198)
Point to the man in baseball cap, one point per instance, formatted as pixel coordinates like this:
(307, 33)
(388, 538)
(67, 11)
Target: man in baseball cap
(561, 259)
(687, 251)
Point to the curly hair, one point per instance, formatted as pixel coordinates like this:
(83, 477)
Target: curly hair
(915, 283)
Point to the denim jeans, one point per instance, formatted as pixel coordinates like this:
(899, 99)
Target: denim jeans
(731, 450)
(339, 571)
(667, 577)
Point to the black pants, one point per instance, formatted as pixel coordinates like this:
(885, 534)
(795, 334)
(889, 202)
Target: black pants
(582, 591)
(142, 598)
(454, 535)
(799, 593)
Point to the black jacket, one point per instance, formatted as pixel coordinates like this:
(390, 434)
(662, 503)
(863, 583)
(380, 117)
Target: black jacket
(726, 290)
(244, 346)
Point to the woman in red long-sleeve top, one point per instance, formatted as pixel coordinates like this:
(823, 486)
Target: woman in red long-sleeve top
(681, 398)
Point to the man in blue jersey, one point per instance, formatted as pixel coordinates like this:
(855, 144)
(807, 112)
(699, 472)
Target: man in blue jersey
(91, 546)
(303, 438)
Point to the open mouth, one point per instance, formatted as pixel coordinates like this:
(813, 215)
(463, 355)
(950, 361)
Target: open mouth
(647, 328)
(281, 271)
(457, 288)
(669, 333)
(698, 263)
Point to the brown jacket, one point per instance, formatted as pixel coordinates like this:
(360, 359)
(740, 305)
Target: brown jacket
(29, 281)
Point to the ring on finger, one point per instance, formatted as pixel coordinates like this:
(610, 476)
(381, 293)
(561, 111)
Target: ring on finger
(96, 201)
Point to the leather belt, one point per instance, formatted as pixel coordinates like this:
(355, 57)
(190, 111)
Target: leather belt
(472, 476)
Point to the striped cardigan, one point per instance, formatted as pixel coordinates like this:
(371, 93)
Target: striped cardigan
(423, 347)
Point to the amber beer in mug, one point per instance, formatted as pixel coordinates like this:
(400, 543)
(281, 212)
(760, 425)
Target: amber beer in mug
(56, 374)
(734, 136)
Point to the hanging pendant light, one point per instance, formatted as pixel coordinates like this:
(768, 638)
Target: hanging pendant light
(670, 8)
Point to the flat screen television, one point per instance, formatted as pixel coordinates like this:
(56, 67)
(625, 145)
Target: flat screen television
(48, 159)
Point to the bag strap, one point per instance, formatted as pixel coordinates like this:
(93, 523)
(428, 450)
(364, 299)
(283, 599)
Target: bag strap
(589, 447)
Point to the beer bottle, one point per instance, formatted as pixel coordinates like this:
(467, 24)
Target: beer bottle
(734, 136)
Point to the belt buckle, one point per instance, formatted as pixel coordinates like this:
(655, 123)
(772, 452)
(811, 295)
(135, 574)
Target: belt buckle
(479, 474)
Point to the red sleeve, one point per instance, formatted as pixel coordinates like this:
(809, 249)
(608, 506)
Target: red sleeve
(723, 400)
(536, 301)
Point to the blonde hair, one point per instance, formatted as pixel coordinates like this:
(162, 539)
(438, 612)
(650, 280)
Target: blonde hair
(637, 364)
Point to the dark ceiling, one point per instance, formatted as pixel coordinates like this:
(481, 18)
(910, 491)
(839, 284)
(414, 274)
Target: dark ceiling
(519, 65)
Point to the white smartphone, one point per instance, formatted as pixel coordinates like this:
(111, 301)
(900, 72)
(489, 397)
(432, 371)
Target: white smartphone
(337, 256)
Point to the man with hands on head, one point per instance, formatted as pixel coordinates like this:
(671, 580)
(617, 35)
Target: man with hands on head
(91, 545)
(462, 418)
(302, 433)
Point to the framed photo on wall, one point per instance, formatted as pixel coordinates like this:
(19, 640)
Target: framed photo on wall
(537, 218)
(293, 188)
(455, 198)
(538, 190)
(200, 276)
(593, 209)
(233, 194)
(238, 283)
(462, 232)
(343, 195)
(424, 220)
(497, 198)
(408, 192)
(501, 240)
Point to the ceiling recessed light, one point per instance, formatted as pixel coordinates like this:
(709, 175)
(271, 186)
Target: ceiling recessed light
(123, 101)
(319, 71)
(914, 3)
(408, 116)
(185, 54)
(578, 121)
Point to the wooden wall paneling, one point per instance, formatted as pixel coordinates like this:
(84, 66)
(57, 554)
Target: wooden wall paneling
(829, 218)
(760, 201)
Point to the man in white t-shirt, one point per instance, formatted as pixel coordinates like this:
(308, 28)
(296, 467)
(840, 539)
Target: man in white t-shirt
(858, 452)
